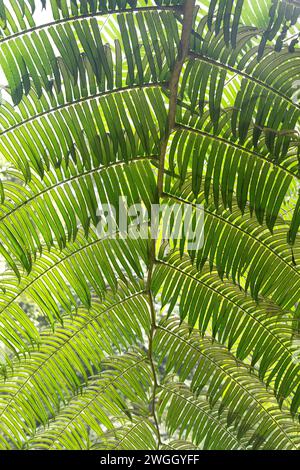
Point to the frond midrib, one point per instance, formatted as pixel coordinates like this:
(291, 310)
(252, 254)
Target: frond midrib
(254, 318)
(76, 177)
(143, 359)
(54, 266)
(89, 15)
(83, 100)
(210, 416)
(236, 71)
(260, 404)
(237, 227)
(238, 147)
(56, 351)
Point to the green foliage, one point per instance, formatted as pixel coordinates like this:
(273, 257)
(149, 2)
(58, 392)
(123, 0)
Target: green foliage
(144, 344)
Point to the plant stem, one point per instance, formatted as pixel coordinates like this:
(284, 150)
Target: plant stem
(152, 365)
(188, 10)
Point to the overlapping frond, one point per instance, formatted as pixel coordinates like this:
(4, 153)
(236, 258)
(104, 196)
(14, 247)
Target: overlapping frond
(54, 211)
(233, 319)
(272, 20)
(67, 358)
(76, 49)
(123, 378)
(228, 384)
(195, 420)
(220, 167)
(137, 434)
(262, 259)
(61, 281)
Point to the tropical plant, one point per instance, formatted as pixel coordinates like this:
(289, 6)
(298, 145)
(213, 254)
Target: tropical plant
(148, 344)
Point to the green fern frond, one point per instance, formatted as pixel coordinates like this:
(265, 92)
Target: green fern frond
(110, 341)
